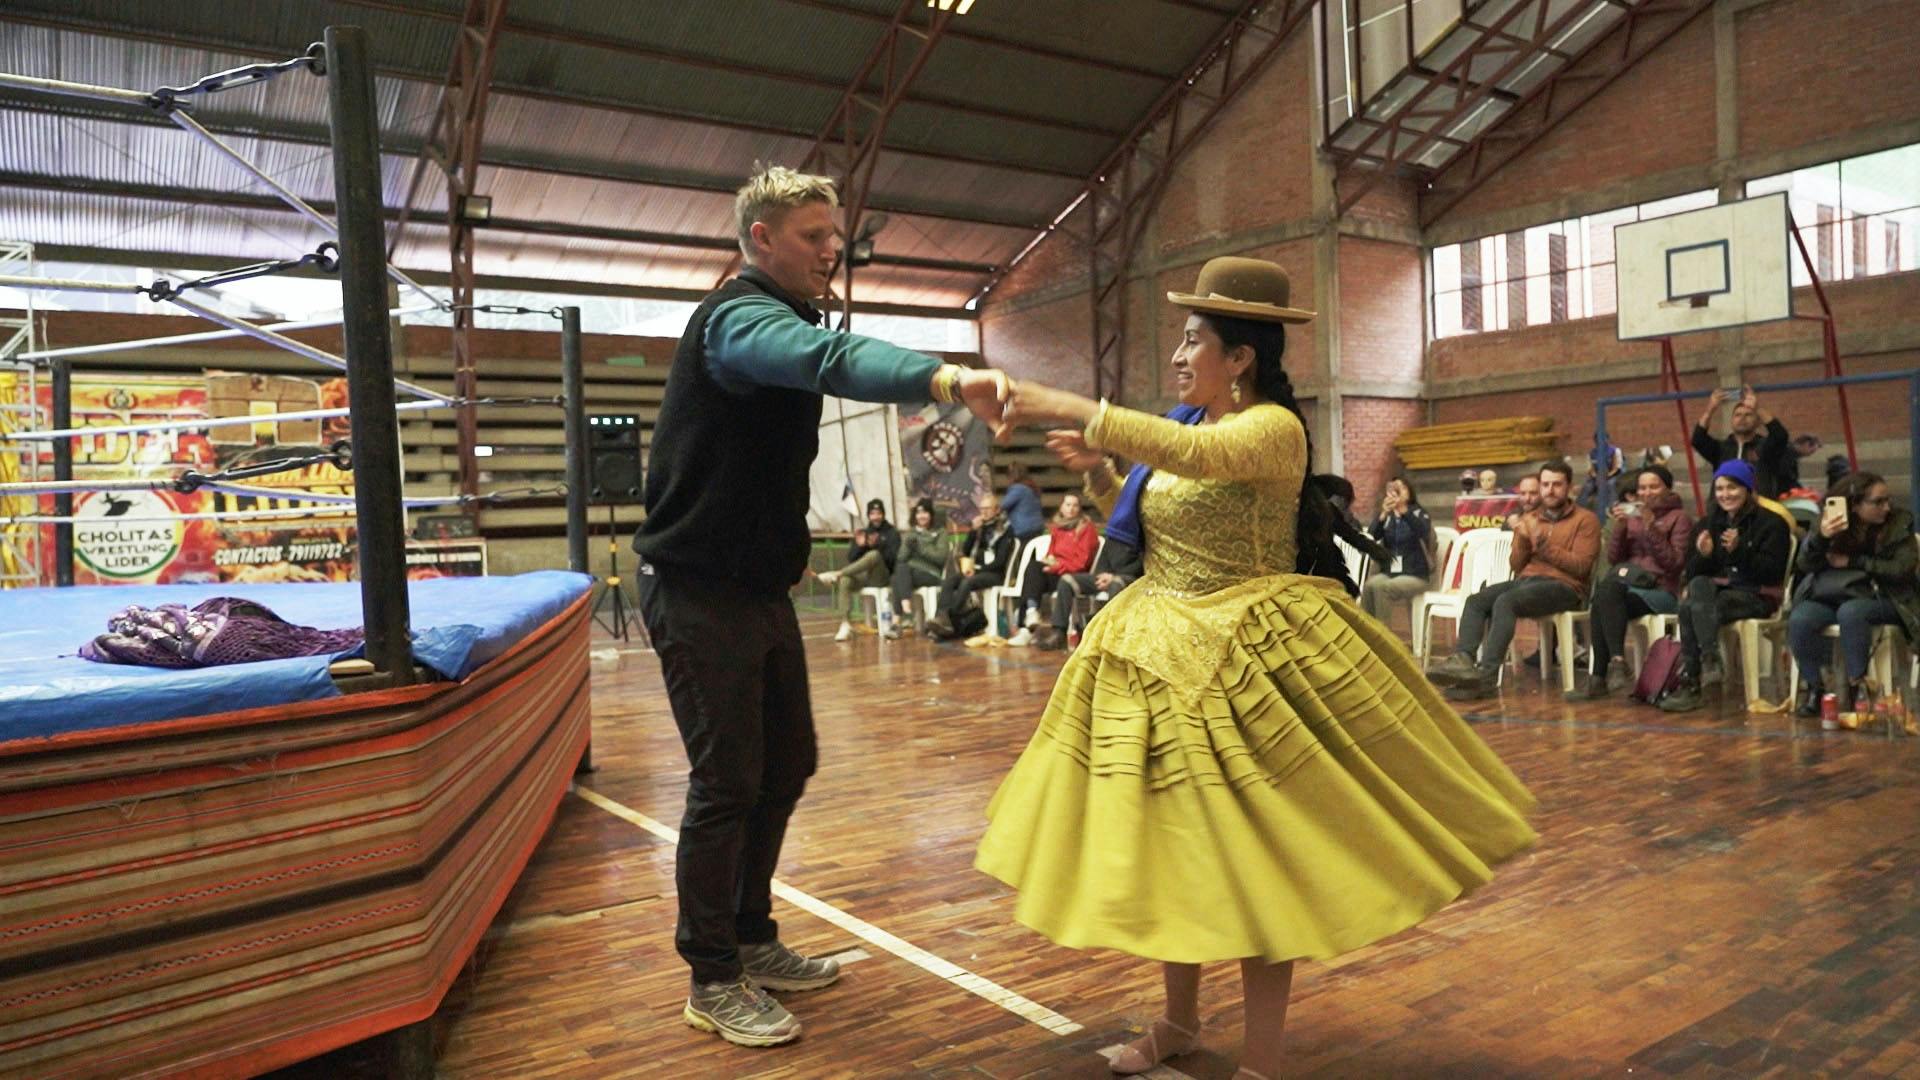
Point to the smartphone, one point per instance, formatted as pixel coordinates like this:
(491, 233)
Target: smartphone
(1836, 507)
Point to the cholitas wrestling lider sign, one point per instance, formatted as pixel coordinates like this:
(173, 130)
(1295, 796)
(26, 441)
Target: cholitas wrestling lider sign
(158, 537)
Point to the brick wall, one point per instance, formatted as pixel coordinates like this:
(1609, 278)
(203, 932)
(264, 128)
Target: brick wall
(1368, 428)
(1381, 297)
(1814, 68)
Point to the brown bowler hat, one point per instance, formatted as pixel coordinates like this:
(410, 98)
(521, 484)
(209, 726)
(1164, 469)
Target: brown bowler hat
(1243, 288)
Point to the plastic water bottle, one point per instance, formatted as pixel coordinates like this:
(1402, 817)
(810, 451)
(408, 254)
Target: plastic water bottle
(886, 620)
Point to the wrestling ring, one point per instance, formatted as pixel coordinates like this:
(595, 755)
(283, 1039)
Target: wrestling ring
(218, 871)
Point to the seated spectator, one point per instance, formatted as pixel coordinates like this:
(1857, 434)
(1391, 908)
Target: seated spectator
(1756, 437)
(1489, 483)
(1856, 571)
(1734, 572)
(1406, 531)
(1070, 551)
(1647, 547)
(1616, 468)
(1529, 491)
(1554, 547)
(982, 564)
(1838, 466)
(1021, 505)
(1339, 493)
(870, 561)
(1469, 481)
(1117, 567)
(925, 550)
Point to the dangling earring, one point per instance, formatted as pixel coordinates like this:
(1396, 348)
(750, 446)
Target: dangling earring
(1236, 391)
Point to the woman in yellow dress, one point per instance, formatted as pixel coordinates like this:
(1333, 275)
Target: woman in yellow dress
(1237, 763)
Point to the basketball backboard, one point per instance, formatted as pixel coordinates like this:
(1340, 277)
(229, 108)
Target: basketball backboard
(1708, 269)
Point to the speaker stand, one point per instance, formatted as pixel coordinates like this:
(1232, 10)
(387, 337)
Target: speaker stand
(613, 608)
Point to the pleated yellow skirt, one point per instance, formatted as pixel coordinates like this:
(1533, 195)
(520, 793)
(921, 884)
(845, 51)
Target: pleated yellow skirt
(1319, 796)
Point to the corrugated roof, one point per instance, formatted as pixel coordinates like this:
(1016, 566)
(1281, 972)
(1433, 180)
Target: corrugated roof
(605, 114)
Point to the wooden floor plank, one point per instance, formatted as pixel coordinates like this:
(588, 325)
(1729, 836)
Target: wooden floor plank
(1711, 896)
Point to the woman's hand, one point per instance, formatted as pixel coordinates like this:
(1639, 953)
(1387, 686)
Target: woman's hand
(1729, 537)
(1703, 543)
(1030, 402)
(1070, 446)
(1832, 525)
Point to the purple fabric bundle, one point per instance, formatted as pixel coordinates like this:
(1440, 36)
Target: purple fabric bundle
(223, 630)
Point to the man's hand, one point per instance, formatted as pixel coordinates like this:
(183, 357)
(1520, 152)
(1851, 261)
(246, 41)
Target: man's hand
(1750, 399)
(1718, 398)
(1102, 581)
(1070, 446)
(1704, 543)
(984, 393)
(1032, 402)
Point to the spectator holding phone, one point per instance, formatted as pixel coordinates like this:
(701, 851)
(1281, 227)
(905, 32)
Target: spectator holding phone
(1756, 437)
(1647, 545)
(1857, 572)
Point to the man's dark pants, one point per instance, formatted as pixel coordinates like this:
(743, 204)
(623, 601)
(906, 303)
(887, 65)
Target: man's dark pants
(1488, 619)
(736, 677)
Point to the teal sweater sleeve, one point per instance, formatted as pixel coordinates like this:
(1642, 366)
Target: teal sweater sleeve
(757, 341)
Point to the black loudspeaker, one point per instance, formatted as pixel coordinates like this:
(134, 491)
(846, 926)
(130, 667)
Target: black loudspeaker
(613, 459)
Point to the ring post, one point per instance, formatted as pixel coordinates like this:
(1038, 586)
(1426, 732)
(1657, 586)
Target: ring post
(573, 386)
(363, 293)
(63, 471)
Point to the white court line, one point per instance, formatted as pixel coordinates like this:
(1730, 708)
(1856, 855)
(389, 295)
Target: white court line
(867, 932)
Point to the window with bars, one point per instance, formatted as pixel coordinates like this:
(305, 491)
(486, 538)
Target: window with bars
(1534, 277)
(1858, 216)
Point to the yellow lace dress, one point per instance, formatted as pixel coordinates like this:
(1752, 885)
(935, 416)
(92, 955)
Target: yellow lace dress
(1238, 761)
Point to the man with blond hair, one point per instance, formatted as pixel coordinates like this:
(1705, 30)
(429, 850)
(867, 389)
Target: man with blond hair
(725, 538)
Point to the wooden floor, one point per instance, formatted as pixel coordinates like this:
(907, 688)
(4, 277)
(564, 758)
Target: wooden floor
(1710, 897)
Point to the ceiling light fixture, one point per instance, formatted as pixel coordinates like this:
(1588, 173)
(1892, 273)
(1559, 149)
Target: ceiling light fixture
(948, 5)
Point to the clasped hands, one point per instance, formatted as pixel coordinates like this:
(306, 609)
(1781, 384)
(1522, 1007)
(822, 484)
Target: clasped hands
(1003, 404)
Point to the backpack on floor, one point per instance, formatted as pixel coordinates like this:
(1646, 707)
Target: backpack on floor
(1660, 675)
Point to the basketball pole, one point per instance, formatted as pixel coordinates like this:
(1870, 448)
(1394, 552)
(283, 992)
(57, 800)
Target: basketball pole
(1829, 340)
(1670, 384)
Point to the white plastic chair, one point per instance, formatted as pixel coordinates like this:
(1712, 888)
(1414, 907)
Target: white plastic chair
(1879, 667)
(1651, 628)
(1479, 558)
(1445, 579)
(1357, 561)
(1444, 537)
(1746, 635)
(1000, 597)
(1557, 642)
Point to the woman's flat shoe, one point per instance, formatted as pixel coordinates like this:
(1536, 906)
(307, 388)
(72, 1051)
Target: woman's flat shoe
(1149, 1050)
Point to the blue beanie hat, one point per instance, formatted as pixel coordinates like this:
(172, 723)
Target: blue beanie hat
(1738, 471)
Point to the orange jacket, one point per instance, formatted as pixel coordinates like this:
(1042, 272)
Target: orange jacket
(1563, 549)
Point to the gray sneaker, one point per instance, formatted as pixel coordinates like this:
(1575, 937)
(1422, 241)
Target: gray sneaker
(1454, 670)
(777, 967)
(740, 1013)
(1712, 671)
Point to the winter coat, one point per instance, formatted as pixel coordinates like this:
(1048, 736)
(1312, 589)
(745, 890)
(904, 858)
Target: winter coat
(1891, 564)
(1655, 540)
